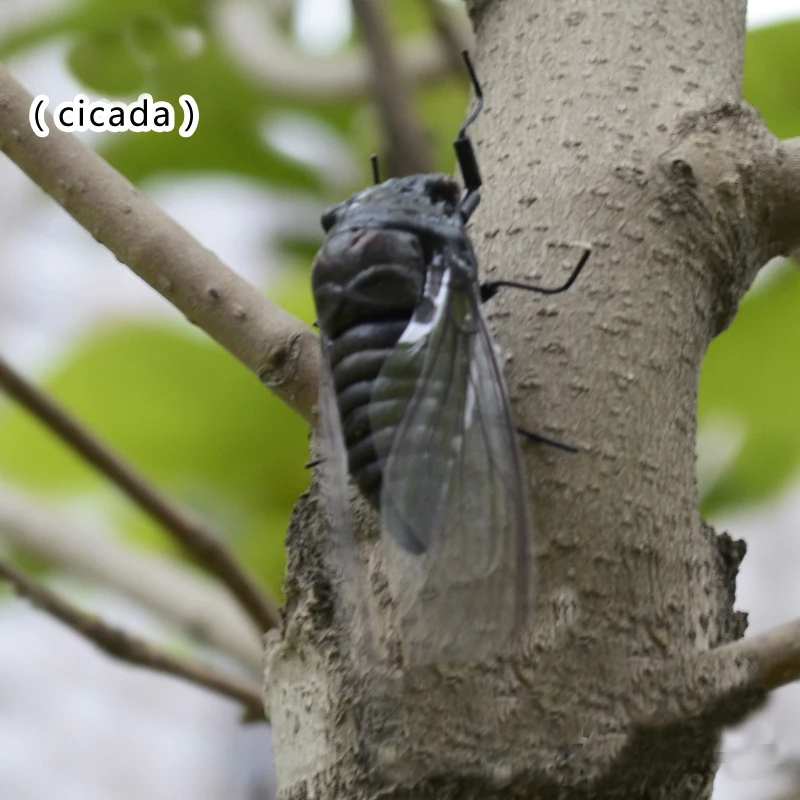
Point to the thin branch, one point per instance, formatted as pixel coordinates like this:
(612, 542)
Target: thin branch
(726, 678)
(125, 647)
(408, 144)
(201, 609)
(280, 349)
(252, 40)
(790, 184)
(774, 654)
(204, 544)
(775, 164)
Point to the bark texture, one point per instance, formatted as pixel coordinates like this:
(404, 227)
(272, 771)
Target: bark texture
(621, 124)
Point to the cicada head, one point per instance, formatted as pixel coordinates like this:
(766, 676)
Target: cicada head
(423, 204)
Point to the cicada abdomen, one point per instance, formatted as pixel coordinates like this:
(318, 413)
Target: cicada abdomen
(368, 281)
(366, 285)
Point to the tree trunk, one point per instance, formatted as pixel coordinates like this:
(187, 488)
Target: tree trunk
(618, 123)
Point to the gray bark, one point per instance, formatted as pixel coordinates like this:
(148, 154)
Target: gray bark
(619, 123)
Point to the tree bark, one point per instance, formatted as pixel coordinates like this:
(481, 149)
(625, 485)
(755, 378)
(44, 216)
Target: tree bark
(619, 123)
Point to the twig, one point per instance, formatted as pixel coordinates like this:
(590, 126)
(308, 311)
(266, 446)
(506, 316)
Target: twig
(409, 149)
(786, 193)
(199, 541)
(251, 39)
(728, 677)
(122, 645)
(280, 349)
(200, 608)
(774, 654)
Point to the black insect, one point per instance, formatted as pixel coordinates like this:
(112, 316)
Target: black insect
(413, 393)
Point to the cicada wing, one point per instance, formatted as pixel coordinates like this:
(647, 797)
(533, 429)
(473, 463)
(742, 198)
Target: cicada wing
(457, 539)
(334, 490)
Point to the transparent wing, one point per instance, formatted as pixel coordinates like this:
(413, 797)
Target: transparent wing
(457, 539)
(334, 490)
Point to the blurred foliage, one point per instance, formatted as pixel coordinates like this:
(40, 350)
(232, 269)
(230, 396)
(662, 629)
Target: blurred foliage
(748, 377)
(772, 75)
(170, 401)
(196, 422)
(173, 47)
(184, 413)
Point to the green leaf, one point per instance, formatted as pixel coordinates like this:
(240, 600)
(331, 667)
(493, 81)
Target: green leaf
(228, 137)
(155, 37)
(772, 75)
(408, 17)
(121, 49)
(750, 377)
(96, 16)
(105, 62)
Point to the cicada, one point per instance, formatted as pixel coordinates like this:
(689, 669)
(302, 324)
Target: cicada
(417, 409)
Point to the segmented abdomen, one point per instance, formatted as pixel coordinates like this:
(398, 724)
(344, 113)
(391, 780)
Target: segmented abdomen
(366, 285)
(355, 371)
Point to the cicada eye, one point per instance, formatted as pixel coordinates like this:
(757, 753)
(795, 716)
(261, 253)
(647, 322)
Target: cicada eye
(329, 217)
(444, 190)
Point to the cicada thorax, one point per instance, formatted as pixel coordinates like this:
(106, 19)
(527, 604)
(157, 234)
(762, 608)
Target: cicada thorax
(367, 283)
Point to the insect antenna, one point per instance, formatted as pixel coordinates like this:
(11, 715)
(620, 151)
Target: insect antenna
(376, 173)
(490, 288)
(465, 152)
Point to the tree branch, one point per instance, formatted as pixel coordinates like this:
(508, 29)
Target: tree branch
(280, 349)
(409, 150)
(775, 656)
(201, 609)
(197, 539)
(252, 40)
(726, 682)
(788, 191)
(125, 647)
